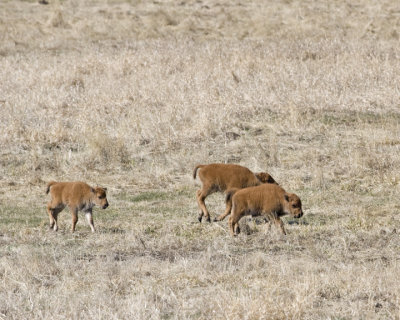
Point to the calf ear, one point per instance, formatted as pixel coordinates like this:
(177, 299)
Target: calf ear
(286, 197)
(105, 189)
(91, 189)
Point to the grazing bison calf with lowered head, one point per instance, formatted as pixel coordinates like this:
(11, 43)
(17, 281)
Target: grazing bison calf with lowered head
(269, 200)
(79, 196)
(223, 178)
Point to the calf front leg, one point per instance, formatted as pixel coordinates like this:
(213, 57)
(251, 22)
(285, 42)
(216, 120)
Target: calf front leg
(89, 219)
(279, 224)
(267, 228)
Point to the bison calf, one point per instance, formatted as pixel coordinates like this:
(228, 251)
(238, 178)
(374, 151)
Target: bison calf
(268, 200)
(223, 178)
(79, 196)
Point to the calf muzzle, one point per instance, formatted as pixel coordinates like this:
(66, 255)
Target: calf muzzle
(299, 215)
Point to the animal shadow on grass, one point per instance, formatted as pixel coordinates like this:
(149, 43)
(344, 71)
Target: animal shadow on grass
(112, 230)
(298, 222)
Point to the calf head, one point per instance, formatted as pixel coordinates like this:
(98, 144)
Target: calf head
(293, 205)
(100, 197)
(265, 177)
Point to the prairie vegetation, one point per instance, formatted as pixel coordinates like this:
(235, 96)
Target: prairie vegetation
(131, 95)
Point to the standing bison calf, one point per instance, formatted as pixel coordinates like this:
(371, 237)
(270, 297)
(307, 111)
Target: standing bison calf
(79, 196)
(268, 200)
(223, 178)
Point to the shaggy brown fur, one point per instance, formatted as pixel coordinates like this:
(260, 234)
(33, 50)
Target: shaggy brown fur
(269, 200)
(77, 196)
(224, 177)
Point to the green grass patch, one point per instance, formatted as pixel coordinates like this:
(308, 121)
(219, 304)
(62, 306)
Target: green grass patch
(148, 196)
(26, 216)
(314, 220)
(353, 117)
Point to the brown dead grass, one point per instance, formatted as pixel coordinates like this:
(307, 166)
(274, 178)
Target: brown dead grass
(132, 94)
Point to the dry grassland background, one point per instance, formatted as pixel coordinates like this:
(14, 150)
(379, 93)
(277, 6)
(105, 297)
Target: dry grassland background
(131, 95)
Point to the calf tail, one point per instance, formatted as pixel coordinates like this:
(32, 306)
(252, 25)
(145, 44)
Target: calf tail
(195, 170)
(230, 193)
(49, 185)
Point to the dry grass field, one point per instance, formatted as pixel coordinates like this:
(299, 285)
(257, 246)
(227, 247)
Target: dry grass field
(131, 95)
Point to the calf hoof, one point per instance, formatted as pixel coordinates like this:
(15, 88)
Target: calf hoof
(208, 219)
(200, 218)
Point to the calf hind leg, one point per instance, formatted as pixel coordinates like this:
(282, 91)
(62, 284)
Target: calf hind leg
(201, 196)
(234, 226)
(226, 213)
(74, 214)
(236, 214)
(237, 228)
(53, 214)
